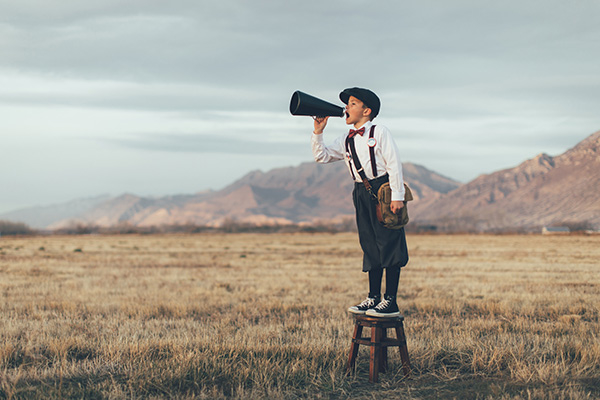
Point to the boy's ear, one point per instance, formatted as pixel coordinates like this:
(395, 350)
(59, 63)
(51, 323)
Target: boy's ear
(367, 112)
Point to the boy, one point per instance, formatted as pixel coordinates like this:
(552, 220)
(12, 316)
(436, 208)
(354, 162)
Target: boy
(383, 248)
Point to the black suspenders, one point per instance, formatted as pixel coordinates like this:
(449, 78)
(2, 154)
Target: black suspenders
(350, 148)
(372, 152)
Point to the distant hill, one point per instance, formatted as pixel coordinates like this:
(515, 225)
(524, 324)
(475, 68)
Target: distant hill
(42, 216)
(542, 191)
(304, 194)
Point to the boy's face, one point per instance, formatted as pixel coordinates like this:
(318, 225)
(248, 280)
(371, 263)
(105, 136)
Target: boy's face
(356, 112)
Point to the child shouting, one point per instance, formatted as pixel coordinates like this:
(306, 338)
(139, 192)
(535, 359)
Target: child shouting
(379, 160)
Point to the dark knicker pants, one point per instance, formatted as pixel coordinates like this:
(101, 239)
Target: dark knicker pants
(382, 247)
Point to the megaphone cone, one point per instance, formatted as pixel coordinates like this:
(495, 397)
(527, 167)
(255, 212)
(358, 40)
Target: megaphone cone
(305, 104)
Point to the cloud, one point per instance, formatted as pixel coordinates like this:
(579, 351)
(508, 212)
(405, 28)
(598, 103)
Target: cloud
(467, 86)
(207, 143)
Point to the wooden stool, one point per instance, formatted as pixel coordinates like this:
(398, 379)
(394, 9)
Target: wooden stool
(379, 343)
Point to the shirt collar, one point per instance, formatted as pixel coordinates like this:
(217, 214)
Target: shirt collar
(366, 125)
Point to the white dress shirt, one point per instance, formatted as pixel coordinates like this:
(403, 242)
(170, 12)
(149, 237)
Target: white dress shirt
(386, 156)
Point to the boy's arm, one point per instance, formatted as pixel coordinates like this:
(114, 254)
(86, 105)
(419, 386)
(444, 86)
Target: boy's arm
(322, 153)
(393, 166)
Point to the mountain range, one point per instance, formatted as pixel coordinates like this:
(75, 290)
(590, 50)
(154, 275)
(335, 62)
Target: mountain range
(306, 194)
(542, 191)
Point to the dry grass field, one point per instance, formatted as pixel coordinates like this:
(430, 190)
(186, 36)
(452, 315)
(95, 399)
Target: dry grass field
(264, 316)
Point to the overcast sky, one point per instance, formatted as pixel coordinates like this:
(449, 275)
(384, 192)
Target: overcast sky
(155, 98)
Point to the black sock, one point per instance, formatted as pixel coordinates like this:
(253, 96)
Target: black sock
(375, 276)
(392, 280)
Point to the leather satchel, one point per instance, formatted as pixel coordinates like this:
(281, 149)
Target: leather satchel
(383, 198)
(384, 211)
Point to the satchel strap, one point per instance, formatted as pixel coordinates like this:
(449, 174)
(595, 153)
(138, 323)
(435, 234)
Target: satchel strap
(350, 147)
(358, 166)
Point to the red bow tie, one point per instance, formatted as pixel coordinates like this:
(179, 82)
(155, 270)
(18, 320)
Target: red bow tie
(356, 132)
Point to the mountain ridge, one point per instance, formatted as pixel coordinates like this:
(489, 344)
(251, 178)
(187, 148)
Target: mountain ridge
(301, 194)
(544, 190)
(541, 191)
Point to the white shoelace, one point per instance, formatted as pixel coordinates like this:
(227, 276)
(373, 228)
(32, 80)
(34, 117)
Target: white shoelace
(367, 302)
(383, 304)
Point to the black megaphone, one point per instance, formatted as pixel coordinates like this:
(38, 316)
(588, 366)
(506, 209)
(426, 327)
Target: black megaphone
(305, 104)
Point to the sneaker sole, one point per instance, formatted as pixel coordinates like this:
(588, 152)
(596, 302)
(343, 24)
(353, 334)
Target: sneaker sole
(372, 313)
(355, 311)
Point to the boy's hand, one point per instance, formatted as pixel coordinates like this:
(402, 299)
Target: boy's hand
(320, 124)
(396, 206)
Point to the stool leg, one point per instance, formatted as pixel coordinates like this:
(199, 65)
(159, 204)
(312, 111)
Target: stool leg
(403, 349)
(354, 347)
(384, 352)
(375, 354)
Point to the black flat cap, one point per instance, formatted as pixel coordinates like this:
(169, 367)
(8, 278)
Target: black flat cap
(365, 95)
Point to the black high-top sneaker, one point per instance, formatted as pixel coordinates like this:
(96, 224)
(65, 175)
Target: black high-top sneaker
(387, 308)
(365, 305)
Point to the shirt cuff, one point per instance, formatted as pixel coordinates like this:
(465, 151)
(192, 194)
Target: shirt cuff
(397, 196)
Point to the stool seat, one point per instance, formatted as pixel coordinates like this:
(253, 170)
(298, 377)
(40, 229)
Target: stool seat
(379, 342)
